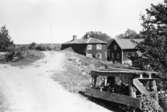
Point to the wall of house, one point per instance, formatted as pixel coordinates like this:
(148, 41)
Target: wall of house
(97, 53)
(129, 52)
(78, 48)
(114, 52)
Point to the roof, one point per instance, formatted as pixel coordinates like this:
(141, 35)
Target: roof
(111, 71)
(86, 41)
(76, 41)
(128, 43)
(93, 40)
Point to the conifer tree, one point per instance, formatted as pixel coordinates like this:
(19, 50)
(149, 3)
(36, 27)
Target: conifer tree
(5, 41)
(154, 46)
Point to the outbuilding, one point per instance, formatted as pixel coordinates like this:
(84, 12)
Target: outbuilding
(119, 50)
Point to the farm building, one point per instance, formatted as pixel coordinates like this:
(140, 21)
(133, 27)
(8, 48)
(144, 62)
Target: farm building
(119, 50)
(89, 47)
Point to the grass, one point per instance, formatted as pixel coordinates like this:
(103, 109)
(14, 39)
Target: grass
(31, 57)
(76, 76)
(72, 81)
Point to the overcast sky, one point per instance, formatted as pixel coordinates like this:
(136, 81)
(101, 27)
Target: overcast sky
(57, 20)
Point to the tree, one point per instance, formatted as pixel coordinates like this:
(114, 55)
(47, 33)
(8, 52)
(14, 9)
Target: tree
(129, 34)
(33, 45)
(154, 46)
(5, 41)
(97, 35)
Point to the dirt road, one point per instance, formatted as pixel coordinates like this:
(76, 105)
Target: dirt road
(30, 88)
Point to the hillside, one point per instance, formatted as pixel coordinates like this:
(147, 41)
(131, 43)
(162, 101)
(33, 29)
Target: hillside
(76, 76)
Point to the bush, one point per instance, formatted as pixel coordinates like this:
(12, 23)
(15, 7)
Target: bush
(41, 48)
(15, 54)
(32, 45)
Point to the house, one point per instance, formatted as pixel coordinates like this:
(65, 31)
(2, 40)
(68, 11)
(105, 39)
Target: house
(120, 49)
(89, 47)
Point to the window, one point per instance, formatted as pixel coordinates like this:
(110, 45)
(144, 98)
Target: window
(105, 53)
(131, 54)
(99, 46)
(118, 56)
(89, 55)
(112, 55)
(89, 47)
(115, 47)
(99, 56)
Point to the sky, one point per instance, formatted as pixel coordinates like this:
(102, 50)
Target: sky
(56, 21)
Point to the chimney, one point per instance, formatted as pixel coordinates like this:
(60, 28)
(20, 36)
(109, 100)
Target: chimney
(74, 37)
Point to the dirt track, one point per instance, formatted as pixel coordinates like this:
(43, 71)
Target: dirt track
(30, 88)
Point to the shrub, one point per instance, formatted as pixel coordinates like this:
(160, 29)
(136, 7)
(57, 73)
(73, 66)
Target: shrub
(41, 48)
(16, 54)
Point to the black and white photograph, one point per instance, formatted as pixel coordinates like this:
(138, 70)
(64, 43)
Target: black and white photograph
(83, 55)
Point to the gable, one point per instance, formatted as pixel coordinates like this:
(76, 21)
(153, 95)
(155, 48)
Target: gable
(112, 44)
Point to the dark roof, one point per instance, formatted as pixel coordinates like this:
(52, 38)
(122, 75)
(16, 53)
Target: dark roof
(110, 71)
(76, 41)
(128, 43)
(86, 41)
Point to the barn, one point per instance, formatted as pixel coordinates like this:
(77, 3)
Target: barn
(119, 50)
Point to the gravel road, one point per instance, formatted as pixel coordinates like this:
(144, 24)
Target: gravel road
(30, 88)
